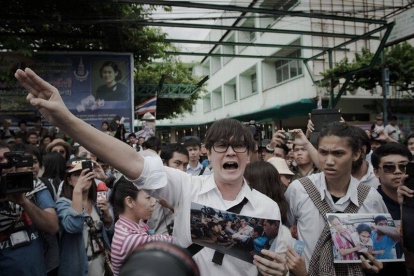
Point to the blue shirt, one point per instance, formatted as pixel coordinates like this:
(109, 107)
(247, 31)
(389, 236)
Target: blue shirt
(73, 259)
(29, 259)
(385, 243)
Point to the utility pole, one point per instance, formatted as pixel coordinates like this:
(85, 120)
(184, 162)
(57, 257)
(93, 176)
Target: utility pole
(385, 88)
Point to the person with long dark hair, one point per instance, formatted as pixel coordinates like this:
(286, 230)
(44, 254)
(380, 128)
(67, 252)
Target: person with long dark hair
(84, 224)
(133, 206)
(54, 170)
(263, 177)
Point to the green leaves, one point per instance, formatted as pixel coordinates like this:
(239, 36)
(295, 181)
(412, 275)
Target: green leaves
(398, 58)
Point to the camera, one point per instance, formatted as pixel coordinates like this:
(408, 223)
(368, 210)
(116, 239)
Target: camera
(87, 165)
(16, 182)
(288, 136)
(374, 135)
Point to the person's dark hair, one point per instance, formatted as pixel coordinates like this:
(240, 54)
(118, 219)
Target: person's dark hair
(120, 133)
(29, 149)
(114, 67)
(22, 122)
(263, 177)
(152, 143)
(159, 258)
(228, 130)
(67, 189)
(363, 137)
(141, 137)
(341, 130)
(55, 167)
(284, 148)
(393, 118)
(210, 225)
(379, 218)
(37, 119)
(43, 138)
(408, 138)
(132, 135)
(363, 227)
(192, 142)
(122, 189)
(271, 221)
(331, 218)
(4, 145)
(32, 133)
(107, 124)
(167, 151)
(389, 149)
(258, 229)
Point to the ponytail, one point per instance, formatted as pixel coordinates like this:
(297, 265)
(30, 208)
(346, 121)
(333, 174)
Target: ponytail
(122, 189)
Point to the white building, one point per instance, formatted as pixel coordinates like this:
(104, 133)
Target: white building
(280, 92)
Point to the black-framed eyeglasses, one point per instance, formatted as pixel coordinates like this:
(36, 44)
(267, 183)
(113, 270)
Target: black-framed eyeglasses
(391, 168)
(221, 147)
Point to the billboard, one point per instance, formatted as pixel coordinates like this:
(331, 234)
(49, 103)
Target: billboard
(404, 27)
(96, 87)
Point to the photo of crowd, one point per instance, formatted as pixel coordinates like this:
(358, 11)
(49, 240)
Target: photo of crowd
(236, 235)
(354, 234)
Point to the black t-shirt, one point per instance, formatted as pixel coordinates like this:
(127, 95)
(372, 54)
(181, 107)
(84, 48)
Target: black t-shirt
(118, 92)
(335, 199)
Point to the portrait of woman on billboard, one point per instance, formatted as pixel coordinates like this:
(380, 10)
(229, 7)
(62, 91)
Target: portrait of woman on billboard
(112, 89)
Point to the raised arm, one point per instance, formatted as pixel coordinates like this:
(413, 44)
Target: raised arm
(301, 140)
(48, 101)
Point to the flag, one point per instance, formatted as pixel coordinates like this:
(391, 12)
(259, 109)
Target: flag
(147, 106)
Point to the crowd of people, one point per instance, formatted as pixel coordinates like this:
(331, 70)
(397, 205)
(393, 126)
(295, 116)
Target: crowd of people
(87, 221)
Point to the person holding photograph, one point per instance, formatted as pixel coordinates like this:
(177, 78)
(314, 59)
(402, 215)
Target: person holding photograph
(332, 190)
(111, 90)
(228, 143)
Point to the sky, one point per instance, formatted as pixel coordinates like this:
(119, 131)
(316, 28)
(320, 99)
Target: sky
(185, 33)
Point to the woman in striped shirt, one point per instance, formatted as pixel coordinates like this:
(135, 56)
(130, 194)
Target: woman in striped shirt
(133, 206)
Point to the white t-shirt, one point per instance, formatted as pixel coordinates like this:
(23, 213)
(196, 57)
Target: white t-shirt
(179, 189)
(393, 132)
(365, 246)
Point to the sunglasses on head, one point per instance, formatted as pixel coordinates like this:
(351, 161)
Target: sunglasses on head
(391, 168)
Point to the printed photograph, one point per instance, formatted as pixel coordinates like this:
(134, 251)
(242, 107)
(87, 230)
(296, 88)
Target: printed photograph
(354, 234)
(232, 234)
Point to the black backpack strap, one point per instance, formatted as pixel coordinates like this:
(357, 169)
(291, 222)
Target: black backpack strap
(218, 256)
(202, 171)
(49, 186)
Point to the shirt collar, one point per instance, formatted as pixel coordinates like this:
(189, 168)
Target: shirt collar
(199, 167)
(351, 194)
(245, 192)
(370, 173)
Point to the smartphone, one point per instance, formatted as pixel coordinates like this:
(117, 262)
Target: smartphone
(322, 117)
(409, 182)
(87, 165)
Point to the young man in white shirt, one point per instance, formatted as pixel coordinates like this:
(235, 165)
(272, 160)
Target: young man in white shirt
(337, 150)
(194, 167)
(228, 143)
(392, 129)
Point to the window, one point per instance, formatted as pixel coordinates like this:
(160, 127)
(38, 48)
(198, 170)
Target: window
(287, 69)
(253, 79)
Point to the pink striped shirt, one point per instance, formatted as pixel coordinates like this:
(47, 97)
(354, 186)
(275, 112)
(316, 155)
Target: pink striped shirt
(129, 235)
(341, 243)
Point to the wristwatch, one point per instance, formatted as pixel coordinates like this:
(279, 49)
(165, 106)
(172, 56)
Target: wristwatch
(269, 150)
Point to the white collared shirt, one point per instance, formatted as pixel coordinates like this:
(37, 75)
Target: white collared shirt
(370, 178)
(179, 189)
(310, 222)
(197, 170)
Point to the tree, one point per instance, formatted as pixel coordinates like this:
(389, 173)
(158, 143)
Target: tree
(77, 25)
(175, 72)
(398, 58)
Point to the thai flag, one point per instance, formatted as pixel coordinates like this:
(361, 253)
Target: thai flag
(148, 106)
